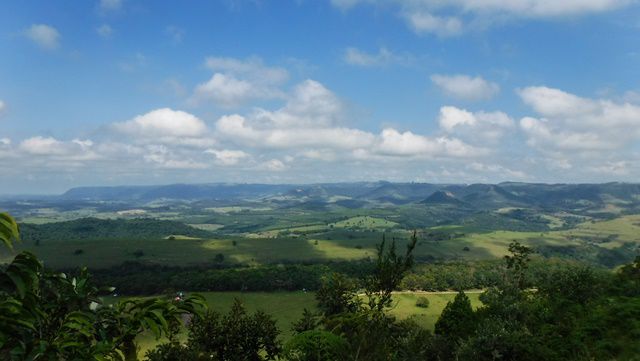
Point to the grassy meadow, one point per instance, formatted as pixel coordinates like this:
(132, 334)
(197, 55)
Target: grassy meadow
(323, 242)
(287, 307)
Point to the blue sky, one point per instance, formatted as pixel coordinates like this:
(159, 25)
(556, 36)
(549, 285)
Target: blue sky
(112, 92)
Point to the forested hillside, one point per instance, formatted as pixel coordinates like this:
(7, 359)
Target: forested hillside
(105, 229)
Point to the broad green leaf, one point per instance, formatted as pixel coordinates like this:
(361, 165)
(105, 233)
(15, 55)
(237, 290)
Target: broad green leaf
(17, 280)
(160, 317)
(9, 230)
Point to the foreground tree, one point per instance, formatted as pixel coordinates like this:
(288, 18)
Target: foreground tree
(337, 295)
(369, 332)
(389, 271)
(316, 345)
(457, 321)
(235, 336)
(51, 316)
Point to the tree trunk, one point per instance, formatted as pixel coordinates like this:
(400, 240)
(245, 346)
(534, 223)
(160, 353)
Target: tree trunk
(130, 350)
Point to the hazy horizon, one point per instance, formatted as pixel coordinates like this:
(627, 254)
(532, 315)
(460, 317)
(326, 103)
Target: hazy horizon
(61, 192)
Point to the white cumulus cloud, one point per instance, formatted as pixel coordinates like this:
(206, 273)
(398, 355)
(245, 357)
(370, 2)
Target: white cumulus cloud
(425, 22)
(49, 146)
(237, 81)
(228, 157)
(546, 136)
(309, 118)
(164, 122)
(311, 123)
(252, 67)
(45, 36)
(274, 165)
(311, 104)
(536, 8)
(453, 17)
(556, 103)
(478, 126)
(466, 87)
(164, 157)
(228, 91)
(568, 121)
(392, 142)
(237, 128)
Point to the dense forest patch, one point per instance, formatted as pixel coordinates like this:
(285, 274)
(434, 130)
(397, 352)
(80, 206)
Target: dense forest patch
(94, 228)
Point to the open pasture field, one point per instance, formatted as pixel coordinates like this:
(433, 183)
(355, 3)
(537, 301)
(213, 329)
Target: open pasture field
(287, 307)
(607, 240)
(405, 305)
(187, 251)
(608, 234)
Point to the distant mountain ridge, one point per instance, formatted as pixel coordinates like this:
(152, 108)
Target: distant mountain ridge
(482, 196)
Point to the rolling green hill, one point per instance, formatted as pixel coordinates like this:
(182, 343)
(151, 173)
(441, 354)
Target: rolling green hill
(105, 229)
(258, 224)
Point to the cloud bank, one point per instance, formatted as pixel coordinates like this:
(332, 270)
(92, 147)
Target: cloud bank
(455, 17)
(308, 133)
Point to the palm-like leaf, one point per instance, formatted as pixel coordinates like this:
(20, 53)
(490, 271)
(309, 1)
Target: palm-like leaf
(9, 230)
(22, 275)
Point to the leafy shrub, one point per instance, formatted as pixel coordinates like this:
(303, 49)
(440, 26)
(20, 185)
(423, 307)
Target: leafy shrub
(316, 345)
(422, 302)
(235, 336)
